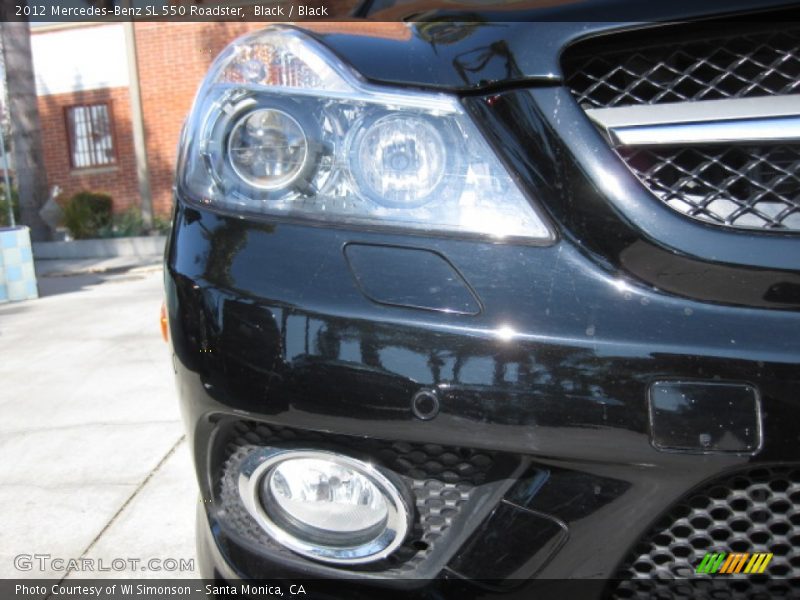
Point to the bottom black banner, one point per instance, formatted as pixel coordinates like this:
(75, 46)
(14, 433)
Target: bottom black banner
(437, 589)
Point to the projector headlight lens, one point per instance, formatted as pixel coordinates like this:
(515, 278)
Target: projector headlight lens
(324, 505)
(268, 149)
(399, 160)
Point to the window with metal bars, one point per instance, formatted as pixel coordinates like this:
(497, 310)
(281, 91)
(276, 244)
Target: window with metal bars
(90, 134)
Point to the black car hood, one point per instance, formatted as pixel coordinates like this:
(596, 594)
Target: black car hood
(456, 46)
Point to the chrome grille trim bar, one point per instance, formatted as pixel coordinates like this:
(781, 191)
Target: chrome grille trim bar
(767, 119)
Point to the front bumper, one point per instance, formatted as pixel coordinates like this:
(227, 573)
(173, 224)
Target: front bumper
(277, 341)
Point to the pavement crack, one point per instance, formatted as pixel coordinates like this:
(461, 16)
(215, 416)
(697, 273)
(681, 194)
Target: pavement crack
(125, 505)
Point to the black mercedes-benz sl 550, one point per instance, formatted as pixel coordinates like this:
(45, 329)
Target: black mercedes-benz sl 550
(492, 299)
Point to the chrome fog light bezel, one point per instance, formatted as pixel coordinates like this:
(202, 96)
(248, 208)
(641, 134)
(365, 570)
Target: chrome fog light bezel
(260, 463)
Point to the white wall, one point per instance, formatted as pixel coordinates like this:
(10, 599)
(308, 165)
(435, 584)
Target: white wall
(83, 58)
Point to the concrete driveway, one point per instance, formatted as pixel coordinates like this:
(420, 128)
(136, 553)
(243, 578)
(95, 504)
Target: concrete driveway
(94, 462)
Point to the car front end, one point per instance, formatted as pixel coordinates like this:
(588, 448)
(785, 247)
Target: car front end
(488, 304)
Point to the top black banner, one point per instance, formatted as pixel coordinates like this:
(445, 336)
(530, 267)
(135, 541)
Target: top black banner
(101, 11)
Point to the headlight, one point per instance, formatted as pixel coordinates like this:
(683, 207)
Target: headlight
(399, 161)
(324, 505)
(268, 149)
(281, 127)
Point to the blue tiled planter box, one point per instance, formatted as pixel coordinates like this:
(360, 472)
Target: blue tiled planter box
(17, 276)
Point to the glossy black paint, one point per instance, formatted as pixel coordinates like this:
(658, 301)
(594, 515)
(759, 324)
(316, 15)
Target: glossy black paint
(568, 387)
(428, 281)
(466, 48)
(492, 553)
(606, 211)
(267, 322)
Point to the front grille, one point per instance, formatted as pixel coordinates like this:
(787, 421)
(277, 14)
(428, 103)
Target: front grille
(740, 185)
(755, 187)
(442, 480)
(753, 511)
(661, 66)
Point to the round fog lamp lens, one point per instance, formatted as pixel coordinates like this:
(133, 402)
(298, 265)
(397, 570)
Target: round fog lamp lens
(325, 505)
(325, 501)
(400, 160)
(268, 149)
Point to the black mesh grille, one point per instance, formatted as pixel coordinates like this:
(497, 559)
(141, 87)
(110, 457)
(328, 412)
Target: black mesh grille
(441, 479)
(416, 461)
(753, 511)
(666, 67)
(738, 186)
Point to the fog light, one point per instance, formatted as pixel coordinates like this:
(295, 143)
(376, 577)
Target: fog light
(324, 505)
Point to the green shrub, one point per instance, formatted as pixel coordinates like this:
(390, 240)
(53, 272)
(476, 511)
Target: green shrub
(4, 206)
(162, 225)
(125, 224)
(129, 223)
(87, 214)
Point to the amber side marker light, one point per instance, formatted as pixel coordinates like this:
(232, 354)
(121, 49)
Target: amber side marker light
(164, 325)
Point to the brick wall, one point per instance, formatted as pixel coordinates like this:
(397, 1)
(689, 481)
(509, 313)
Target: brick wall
(118, 180)
(173, 59)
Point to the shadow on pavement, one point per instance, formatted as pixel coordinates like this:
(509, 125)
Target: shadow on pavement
(14, 308)
(51, 286)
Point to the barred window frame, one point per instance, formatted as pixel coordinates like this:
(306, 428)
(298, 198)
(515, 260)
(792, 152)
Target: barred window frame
(91, 137)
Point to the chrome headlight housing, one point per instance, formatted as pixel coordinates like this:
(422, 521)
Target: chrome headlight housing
(281, 127)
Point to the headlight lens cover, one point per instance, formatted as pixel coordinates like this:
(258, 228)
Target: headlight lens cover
(399, 160)
(281, 127)
(267, 148)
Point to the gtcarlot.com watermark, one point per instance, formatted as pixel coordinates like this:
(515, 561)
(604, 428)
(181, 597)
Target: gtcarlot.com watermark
(48, 562)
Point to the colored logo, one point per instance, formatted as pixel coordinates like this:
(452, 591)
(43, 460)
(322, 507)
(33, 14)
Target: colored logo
(735, 562)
